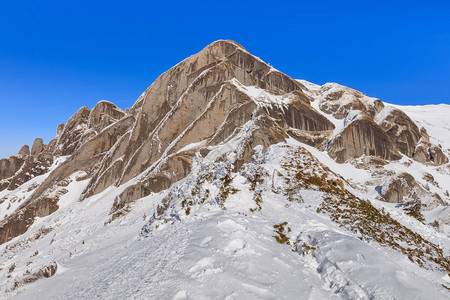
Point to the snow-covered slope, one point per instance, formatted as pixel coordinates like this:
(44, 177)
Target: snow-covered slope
(185, 256)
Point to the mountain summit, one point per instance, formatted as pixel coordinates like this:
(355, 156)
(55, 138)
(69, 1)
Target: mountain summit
(227, 169)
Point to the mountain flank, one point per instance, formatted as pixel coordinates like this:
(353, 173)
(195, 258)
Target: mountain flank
(223, 132)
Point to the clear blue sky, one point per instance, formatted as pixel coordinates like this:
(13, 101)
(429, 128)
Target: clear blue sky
(56, 56)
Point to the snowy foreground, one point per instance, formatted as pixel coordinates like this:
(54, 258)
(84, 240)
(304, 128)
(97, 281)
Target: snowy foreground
(242, 246)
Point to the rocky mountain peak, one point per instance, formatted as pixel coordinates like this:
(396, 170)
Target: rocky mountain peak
(207, 99)
(227, 109)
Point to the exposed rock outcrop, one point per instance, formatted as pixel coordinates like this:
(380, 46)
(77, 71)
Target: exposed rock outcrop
(403, 187)
(33, 166)
(18, 169)
(437, 156)
(401, 129)
(73, 131)
(427, 153)
(362, 137)
(396, 188)
(45, 272)
(300, 115)
(9, 166)
(421, 153)
(104, 114)
(87, 156)
(18, 223)
(24, 151)
(38, 146)
(338, 100)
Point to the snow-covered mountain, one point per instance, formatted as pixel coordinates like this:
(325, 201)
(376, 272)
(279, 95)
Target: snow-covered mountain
(227, 179)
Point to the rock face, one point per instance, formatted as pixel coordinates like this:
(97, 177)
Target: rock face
(362, 137)
(23, 218)
(372, 129)
(32, 167)
(421, 153)
(9, 166)
(38, 147)
(222, 95)
(15, 170)
(73, 133)
(300, 115)
(338, 100)
(399, 187)
(437, 156)
(104, 114)
(402, 130)
(24, 151)
(427, 153)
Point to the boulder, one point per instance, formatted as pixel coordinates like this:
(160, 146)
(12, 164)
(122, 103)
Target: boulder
(437, 156)
(396, 188)
(427, 153)
(404, 188)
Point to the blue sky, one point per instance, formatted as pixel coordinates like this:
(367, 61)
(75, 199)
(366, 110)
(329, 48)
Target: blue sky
(56, 56)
